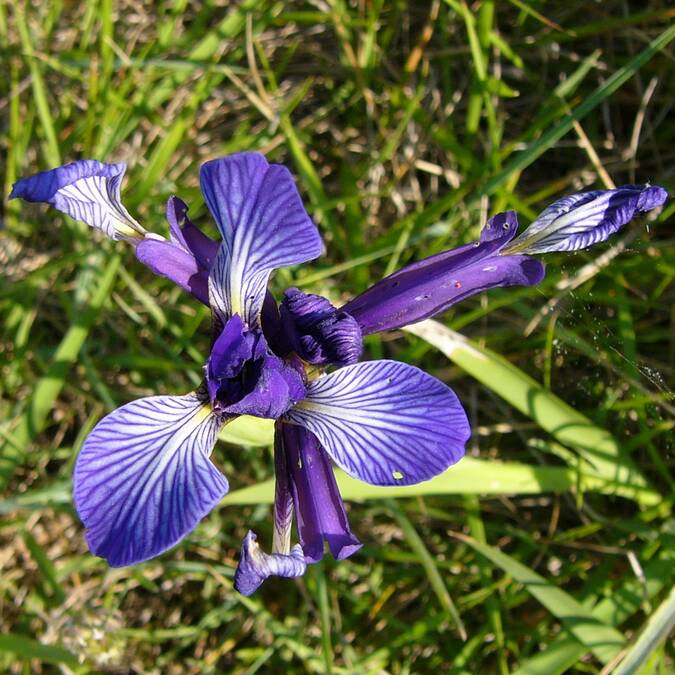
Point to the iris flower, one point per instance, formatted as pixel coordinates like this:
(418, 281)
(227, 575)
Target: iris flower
(144, 477)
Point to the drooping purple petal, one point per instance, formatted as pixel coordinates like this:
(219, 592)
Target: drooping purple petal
(283, 498)
(264, 226)
(318, 332)
(144, 479)
(86, 190)
(586, 218)
(430, 286)
(319, 508)
(171, 261)
(255, 565)
(384, 422)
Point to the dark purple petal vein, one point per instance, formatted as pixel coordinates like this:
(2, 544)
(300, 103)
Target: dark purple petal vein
(264, 226)
(384, 422)
(144, 479)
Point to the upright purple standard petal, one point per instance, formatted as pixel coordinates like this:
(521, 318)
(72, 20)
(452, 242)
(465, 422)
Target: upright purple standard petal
(143, 479)
(384, 422)
(255, 565)
(586, 218)
(86, 190)
(264, 226)
(319, 508)
(430, 286)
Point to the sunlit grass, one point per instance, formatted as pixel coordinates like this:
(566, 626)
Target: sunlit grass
(407, 124)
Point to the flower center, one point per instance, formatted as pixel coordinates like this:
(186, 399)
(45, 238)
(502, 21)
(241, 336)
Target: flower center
(244, 377)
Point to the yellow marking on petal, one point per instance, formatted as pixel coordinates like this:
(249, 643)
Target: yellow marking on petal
(203, 413)
(235, 302)
(124, 229)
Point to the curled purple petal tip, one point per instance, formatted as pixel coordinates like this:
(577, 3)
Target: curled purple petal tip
(581, 220)
(651, 196)
(86, 190)
(255, 566)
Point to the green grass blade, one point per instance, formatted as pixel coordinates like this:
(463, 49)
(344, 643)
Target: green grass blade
(474, 520)
(467, 477)
(548, 139)
(658, 627)
(563, 652)
(594, 444)
(319, 577)
(45, 566)
(598, 637)
(428, 562)
(26, 648)
(14, 443)
(51, 145)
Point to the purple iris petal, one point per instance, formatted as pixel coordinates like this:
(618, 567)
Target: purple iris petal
(277, 388)
(319, 508)
(188, 236)
(171, 261)
(271, 325)
(244, 377)
(384, 422)
(187, 258)
(255, 565)
(430, 286)
(144, 479)
(586, 218)
(283, 498)
(85, 190)
(264, 226)
(233, 348)
(319, 333)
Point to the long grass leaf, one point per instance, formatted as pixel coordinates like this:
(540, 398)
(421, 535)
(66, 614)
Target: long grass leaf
(555, 133)
(601, 639)
(564, 651)
(594, 444)
(26, 648)
(51, 145)
(659, 626)
(14, 442)
(469, 476)
(427, 561)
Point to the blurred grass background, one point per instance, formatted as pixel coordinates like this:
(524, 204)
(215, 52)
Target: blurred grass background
(407, 124)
